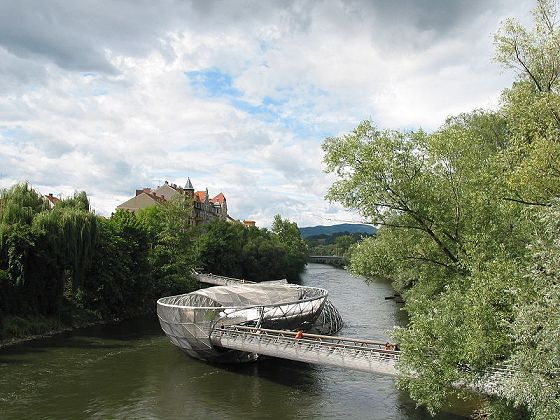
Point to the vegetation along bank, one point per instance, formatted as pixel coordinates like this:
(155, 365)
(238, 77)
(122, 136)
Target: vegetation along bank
(469, 220)
(66, 267)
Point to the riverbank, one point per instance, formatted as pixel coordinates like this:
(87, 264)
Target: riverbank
(17, 329)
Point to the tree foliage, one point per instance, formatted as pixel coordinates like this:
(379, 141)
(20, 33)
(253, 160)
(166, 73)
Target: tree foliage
(173, 253)
(537, 325)
(456, 210)
(67, 262)
(58, 261)
(288, 235)
(42, 249)
(251, 253)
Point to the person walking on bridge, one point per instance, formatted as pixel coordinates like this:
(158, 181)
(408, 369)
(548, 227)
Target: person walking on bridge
(299, 334)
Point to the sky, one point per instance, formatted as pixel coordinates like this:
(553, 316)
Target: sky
(113, 96)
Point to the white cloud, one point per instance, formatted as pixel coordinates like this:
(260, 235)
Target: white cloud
(104, 102)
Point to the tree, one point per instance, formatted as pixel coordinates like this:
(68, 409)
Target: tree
(43, 248)
(457, 208)
(289, 236)
(343, 243)
(536, 359)
(173, 254)
(264, 259)
(120, 283)
(532, 106)
(431, 194)
(535, 55)
(221, 248)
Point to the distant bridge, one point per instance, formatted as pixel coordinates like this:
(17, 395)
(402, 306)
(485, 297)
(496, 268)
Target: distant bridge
(226, 281)
(327, 259)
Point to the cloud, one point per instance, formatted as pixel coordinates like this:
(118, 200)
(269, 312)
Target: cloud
(238, 95)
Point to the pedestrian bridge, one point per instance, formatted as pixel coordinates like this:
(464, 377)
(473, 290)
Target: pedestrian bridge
(363, 355)
(349, 353)
(217, 280)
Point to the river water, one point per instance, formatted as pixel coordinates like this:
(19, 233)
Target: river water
(131, 370)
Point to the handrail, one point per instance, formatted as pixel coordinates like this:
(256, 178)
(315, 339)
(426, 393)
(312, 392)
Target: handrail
(322, 340)
(325, 256)
(325, 337)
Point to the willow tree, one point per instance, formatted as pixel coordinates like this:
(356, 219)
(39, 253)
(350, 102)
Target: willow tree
(18, 206)
(71, 235)
(41, 248)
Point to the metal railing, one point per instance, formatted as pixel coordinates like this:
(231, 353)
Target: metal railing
(363, 355)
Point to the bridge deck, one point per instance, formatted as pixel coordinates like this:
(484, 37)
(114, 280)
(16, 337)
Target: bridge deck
(362, 355)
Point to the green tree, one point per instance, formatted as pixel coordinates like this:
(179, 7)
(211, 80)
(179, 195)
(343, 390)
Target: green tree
(264, 259)
(71, 234)
(532, 106)
(78, 201)
(343, 243)
(289, 236)
(42, 249)
(457, 208)
(536, 359)
(120, 282)
(221, 248)
(173, 253)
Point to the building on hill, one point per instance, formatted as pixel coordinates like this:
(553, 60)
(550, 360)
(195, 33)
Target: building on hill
(205, 208)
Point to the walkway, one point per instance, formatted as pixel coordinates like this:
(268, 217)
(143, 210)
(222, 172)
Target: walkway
(327, 259)
(362, 355)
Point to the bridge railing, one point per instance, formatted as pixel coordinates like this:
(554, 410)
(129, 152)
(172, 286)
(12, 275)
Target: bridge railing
(369, 346)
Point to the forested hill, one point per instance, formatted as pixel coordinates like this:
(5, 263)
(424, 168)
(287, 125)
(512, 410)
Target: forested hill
(329, 230)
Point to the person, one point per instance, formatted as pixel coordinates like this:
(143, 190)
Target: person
(388, 346)
(299, 334)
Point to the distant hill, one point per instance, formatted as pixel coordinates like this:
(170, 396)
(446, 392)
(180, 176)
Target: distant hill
(329, 230)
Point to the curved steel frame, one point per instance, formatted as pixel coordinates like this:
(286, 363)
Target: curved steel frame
(188, 320)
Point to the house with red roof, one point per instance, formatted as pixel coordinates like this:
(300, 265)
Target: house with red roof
(52, 200)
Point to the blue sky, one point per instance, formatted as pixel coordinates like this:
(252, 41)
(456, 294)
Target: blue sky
(108, 96)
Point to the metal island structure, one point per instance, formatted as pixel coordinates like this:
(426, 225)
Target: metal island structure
(237, 321)
(192, 320)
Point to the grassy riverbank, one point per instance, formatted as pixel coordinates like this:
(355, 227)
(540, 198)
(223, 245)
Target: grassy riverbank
(16, 329)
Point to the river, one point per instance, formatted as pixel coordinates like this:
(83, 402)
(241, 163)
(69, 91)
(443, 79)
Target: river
(131, 370)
